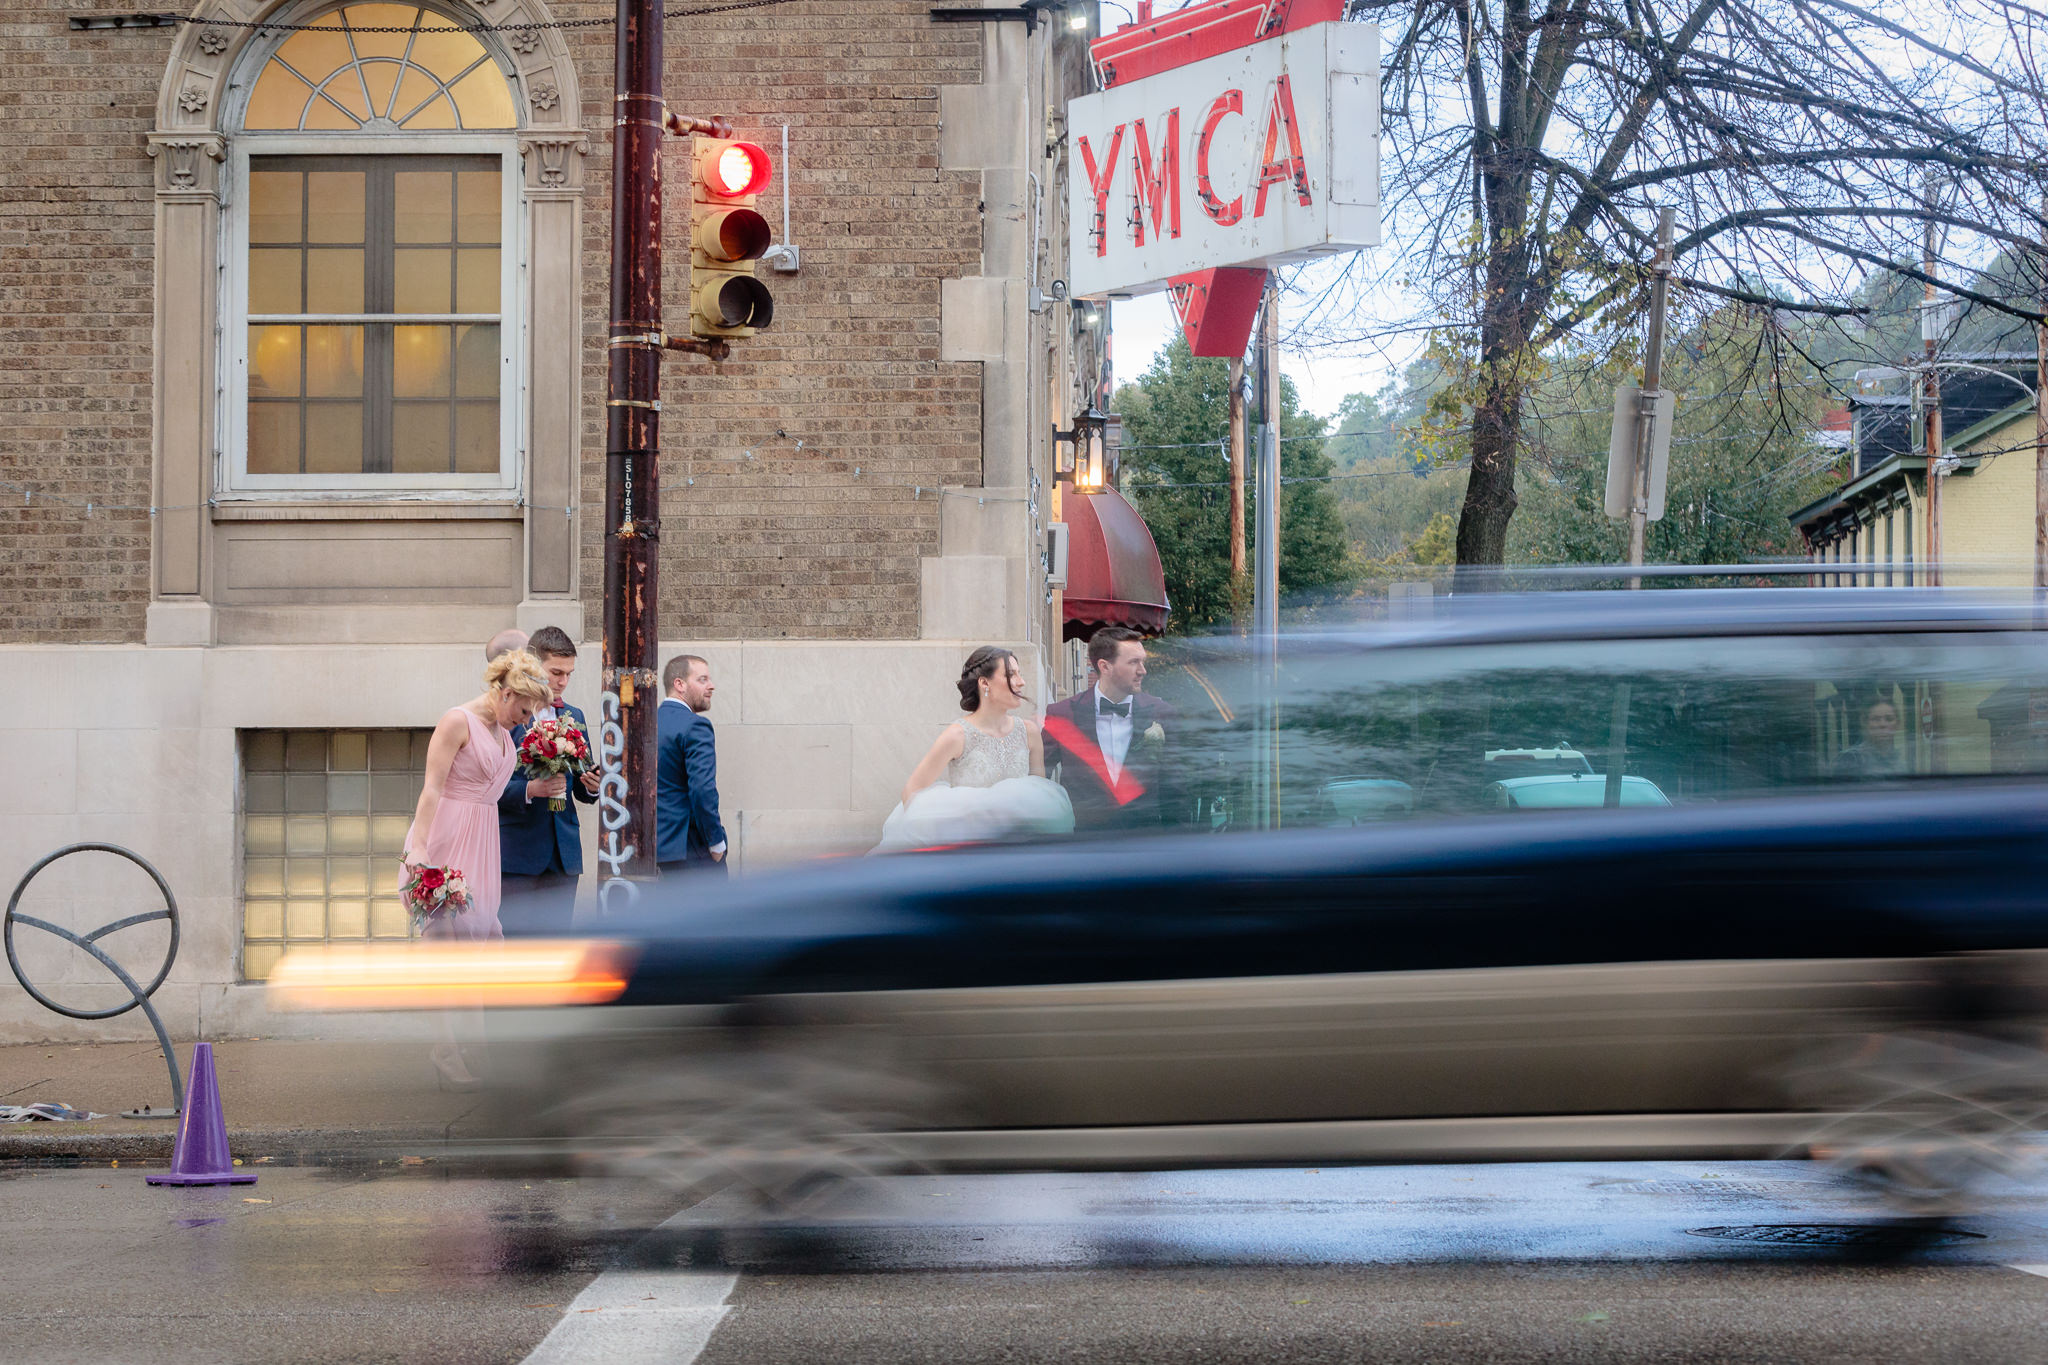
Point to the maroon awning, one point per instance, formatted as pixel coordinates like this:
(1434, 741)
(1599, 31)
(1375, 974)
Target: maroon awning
(1113, 573)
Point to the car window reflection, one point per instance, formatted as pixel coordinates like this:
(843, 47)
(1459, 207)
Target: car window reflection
(1370, 736)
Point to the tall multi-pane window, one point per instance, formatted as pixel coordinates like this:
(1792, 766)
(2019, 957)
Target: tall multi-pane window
(374, 331)
(324, 817)
(374, 258)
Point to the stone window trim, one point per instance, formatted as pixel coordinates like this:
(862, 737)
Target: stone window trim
(205, 63)
(194, 152)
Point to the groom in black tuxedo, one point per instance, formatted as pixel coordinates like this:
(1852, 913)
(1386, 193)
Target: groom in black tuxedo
(541, 850)
(1112, 742)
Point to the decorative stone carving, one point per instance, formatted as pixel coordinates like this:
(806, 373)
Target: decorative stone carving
(554, 163)
(213, 42)
(525, 41)
(192, 99)
(544, 97)
(185, 163)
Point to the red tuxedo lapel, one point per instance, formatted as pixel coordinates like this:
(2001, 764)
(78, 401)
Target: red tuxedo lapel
(1064, 725)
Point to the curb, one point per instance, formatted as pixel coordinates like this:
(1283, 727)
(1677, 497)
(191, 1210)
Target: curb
(261, 1146)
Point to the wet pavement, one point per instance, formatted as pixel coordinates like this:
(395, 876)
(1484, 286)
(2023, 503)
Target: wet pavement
(1593, 1261)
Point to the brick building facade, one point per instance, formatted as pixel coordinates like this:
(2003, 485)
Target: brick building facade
(253, 487)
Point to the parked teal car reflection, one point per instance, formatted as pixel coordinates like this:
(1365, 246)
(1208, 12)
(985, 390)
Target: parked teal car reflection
(1359, 800)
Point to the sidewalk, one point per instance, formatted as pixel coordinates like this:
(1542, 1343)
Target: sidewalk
(288, 1101)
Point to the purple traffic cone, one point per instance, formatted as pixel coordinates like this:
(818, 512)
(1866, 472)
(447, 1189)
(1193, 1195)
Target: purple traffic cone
(201, 1156)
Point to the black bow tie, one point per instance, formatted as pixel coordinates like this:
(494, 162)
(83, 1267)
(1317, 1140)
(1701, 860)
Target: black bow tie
(1106, 707)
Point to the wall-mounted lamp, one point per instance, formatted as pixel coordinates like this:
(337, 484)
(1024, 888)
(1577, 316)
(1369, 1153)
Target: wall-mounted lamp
(1086, 456)
(1090, 313)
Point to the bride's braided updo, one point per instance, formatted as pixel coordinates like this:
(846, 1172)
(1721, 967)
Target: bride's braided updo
(985, 662)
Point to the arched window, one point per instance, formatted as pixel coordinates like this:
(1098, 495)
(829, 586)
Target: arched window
(374, 259)
(382, 66)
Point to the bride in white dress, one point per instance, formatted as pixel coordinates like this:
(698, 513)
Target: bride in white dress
(984, 777)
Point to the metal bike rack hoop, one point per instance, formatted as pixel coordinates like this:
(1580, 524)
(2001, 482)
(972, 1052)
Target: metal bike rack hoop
(138, 995)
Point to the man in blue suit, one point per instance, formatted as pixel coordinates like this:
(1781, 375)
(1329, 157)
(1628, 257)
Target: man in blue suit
(690, 837)
(541, 849)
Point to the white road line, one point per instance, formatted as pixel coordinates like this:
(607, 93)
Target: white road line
(2041, 1270)
(639, 1317)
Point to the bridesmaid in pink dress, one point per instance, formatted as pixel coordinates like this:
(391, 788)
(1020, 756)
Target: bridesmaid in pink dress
(469, 761)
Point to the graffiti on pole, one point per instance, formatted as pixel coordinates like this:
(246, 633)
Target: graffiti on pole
(612, 814)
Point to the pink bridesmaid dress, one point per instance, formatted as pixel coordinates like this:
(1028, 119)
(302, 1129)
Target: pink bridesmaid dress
(465, 832)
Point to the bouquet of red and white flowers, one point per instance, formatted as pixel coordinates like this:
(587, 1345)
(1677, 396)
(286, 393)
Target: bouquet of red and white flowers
(432, 892)
(551, 747)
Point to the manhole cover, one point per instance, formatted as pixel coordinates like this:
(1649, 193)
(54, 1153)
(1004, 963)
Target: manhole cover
(1838, 1234)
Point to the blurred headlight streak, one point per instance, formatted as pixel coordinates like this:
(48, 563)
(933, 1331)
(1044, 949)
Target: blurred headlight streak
(432, 975)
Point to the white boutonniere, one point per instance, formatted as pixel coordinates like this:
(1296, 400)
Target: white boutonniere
(1154, 735)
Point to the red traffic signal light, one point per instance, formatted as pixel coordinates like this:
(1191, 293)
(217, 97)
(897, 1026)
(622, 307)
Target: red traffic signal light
(738, 169)
(726, 237)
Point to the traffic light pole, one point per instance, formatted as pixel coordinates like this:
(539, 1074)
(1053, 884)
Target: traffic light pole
(632, 496)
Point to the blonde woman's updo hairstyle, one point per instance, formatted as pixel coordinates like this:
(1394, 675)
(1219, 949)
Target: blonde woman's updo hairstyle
(986, 662)
(518, 672)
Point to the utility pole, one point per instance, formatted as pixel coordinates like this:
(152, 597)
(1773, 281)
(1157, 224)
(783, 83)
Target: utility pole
(1266, 571)
(1930, 337)
(2041, 454)
(1237, 482)
(632, 495)
(1646, 400)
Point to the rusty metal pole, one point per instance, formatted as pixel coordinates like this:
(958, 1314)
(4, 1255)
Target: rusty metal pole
(632, 500)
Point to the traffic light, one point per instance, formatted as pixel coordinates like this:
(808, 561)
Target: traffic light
(726, 237)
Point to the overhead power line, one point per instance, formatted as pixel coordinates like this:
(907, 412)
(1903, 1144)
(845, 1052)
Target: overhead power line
(329, 26)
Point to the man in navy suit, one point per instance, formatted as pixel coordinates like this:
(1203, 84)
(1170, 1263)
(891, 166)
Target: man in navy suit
(541, 849)
(690, 837)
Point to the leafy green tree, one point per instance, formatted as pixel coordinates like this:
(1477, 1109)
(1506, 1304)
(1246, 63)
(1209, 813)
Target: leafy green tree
(1365, 427)
(1392, 491)
(1176, 469)
(1742, 457)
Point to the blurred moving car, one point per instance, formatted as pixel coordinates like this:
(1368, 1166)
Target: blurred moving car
(1570, 791)
(1774, 962)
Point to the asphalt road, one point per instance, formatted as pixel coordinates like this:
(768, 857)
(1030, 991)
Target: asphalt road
(1582, 1262)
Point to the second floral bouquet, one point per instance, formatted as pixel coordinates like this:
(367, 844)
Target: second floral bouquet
(554, 747)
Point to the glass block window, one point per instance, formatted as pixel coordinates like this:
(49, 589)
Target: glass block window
(324, 816)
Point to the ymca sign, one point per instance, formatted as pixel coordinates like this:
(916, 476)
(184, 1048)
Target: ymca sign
(1258, 154)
